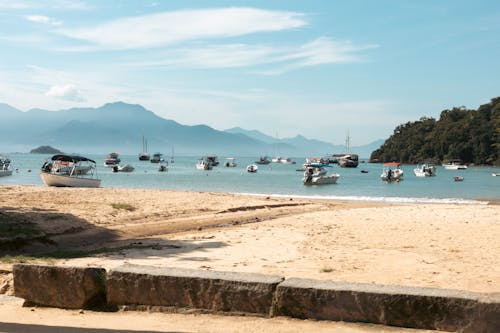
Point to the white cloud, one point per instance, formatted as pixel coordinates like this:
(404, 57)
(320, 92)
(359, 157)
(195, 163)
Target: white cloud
(166, 28)
(42, 19)
(320, 51)
(54, 4)
(67, 92)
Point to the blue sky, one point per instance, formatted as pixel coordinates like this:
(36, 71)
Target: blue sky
(318, 68)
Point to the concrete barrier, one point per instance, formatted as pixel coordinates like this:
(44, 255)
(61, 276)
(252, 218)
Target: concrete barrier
(189, 288)
(62, 287)
(424, 308)
(230, 292)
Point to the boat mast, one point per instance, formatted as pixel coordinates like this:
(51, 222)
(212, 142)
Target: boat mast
(348, 143)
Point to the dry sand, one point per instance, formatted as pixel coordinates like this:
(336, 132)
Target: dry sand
(432, 245)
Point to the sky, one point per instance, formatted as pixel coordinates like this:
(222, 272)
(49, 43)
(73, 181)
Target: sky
(321, 69)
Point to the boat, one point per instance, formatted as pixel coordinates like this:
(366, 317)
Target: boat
(282, 160)
(496, 174)
(425, 170)
(364, 171)
(252, 168)
(348, 161)
(392, 172)
(276, 159)
(212, 159)
(263, 160)
(230, 162)
(123, 168)
(157, 158)
(5, 167)
(112, 160)
(454, 165)
(162, 167)
(458, 178)
(317, 161)
(144, 156)
(203, 164)
(72, 179)
(317, 175)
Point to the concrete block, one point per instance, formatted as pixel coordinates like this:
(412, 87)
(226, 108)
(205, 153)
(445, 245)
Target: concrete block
(62, 287)
(188, 288)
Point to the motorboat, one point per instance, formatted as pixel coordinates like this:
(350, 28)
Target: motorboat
(123, 168)
(157, 158)
(212, 159)
(317, 175)
(392, 172)
(425, 170)
(348, 161)
(252, 168)
(458, 178)
(230, 162)
(317, 161)
(162, 167)
(5, 167)
(282, 160)
(203, 164)
(496, 174)
(144, 156)
(71, 179)
(454, 165)
(112, 160)
(263, 160)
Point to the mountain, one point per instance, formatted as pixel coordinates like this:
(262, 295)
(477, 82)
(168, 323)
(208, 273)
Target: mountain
(120, 127)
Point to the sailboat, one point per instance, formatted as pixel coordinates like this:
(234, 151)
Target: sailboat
(172, 157)
(144, 156)
(348, 160)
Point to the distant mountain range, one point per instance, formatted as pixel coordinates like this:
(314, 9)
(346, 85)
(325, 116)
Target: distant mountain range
(120, 127)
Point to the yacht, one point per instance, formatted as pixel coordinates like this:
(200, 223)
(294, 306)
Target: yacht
(454, 165)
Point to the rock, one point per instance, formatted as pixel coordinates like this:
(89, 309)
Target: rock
(188, 288)
(45, 150)
(63, 287)
(423, 308)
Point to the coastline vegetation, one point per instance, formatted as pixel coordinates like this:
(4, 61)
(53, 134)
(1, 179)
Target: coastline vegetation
(472, 136)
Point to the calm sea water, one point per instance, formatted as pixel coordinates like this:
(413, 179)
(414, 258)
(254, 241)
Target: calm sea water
(281, 179)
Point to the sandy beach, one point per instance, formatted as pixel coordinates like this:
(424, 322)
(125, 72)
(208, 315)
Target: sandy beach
(431, 245)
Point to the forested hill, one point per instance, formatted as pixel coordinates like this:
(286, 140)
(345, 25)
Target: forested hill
(470, 135)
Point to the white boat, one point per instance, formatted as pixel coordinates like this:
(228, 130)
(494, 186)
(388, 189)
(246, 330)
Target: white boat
(112, 160)
(282, 160)
(495, 174)
(72, 179)
(392, 172)
(454, 165)
(162, 167)
(252, 168)
(5, 167)
(317, 175)
(230, 162)
(123, 168)
(203, 164)
(425, 170)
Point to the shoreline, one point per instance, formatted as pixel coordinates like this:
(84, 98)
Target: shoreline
(439, 245)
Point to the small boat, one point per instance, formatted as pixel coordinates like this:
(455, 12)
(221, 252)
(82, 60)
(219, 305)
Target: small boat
(252, 168)
(458, 178)
(364, 171)
(203, 164)
(5, 167)
(112, 160)
(348, 161)
(263, 160)
(230, 162)
(317, 175)
(162, 167)
(212, 159)
(73, 179)
(425, 170)
(157, 158)
(317, 161)
(392, 172)
(144, 156)
(123, 168)
(282, 160)
(454, 165)
(496, 174)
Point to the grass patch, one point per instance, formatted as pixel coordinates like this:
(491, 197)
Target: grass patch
(326, 270)
(124, 206)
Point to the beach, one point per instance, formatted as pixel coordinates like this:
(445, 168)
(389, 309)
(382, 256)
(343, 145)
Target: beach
(452, 246)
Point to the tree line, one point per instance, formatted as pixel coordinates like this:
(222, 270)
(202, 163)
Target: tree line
(472, 136)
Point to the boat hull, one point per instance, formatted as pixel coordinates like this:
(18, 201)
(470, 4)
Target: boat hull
(5, 173)
(68, 181)
(322, 180)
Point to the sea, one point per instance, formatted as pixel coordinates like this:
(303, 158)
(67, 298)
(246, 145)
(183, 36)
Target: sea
(282, 180)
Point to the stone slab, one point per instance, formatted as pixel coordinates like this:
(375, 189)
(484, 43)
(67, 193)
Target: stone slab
(424, 308)
(189, 288)
(62, 287)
